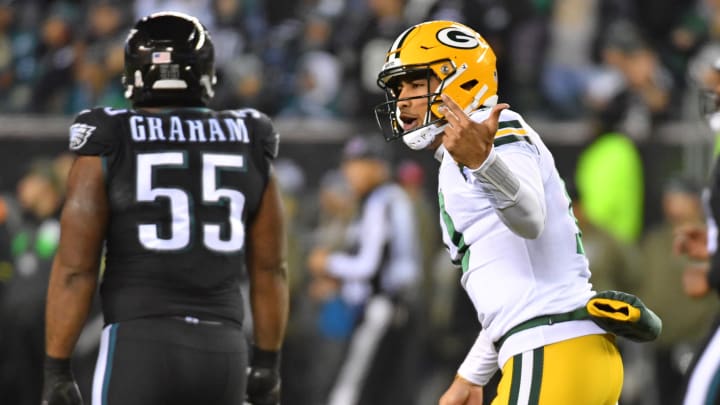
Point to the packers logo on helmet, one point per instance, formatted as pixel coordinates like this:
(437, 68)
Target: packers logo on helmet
(457, 38)
(456, 55)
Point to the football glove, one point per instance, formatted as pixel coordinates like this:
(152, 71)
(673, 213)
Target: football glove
(59, 387)
(263, 379)
(624, 315)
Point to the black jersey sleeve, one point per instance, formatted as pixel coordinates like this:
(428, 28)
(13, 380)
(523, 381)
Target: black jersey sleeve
(265, 139)
(93, 132)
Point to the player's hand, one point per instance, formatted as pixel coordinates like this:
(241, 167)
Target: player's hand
(263, 380)
(691, 241)
(462, 392)
(323, 287)
(317, 261)
(59, 387)
(469, 142)
(695, 280)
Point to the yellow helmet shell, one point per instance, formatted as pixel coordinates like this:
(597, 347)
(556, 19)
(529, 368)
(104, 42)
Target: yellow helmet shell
(456, 54)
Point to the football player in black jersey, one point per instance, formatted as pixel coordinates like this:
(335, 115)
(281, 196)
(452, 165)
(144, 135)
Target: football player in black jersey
(182, 200)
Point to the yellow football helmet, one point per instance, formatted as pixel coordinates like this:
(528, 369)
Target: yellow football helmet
(457, 55)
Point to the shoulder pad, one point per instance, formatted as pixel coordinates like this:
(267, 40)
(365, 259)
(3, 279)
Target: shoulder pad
(263, 130)
(92, 131)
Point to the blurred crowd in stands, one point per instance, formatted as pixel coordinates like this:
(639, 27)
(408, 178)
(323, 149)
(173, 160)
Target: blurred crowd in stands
(625, 65)
(629, 62)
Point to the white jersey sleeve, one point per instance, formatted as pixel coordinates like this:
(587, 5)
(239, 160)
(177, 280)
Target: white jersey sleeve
(515, 188)
(481, 362)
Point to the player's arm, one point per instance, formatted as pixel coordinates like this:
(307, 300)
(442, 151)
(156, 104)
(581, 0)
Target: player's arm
(74, 275)
(513, 180)
(269, 297)
(267, 268)
(75, 269)
(479, 366)
(462, 392)
(363, 265)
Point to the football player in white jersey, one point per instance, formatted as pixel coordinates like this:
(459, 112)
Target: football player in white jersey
(507, 222)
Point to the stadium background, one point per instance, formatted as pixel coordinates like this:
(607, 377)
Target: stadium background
(311, 65)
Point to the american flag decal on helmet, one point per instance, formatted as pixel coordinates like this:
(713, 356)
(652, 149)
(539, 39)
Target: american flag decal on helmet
(161, 57)
(79, 134)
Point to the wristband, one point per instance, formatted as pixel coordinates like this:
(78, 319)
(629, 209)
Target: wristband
(265, 358)
(57, 365)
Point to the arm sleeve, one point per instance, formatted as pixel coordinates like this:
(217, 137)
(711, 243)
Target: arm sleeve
(364, 264)
(515, 185)
(480, 364)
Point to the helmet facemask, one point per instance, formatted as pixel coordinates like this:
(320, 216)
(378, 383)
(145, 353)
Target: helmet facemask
(461, 60)
(387, 114)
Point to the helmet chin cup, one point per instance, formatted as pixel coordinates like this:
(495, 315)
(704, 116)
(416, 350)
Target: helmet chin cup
(421, 138)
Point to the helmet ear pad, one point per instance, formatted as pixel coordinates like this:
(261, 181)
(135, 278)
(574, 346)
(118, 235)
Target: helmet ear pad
(169, 60)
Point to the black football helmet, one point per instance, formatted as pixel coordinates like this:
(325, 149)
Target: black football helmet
(169, 61)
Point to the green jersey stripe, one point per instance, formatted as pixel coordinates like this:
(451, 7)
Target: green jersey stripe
(510, 124)
(504, 140)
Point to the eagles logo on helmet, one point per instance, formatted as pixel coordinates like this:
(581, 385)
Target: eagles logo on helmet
(458, 56)
(169, 60)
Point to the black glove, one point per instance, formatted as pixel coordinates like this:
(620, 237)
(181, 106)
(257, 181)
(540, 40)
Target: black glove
(59, 387)
(263, 380)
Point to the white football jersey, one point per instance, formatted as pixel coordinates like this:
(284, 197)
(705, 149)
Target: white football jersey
(511, 279)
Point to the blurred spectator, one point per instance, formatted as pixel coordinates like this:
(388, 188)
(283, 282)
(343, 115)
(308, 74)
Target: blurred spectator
(570, 63)
(324, 318)
(197, 8)
(240, 26)
(517, 31)
(7, 15)
(703, 98)
(317, 84)
(609, 177)
(98, 72)
(23, 302)
(18, 33)
(638, 92)
(685, 320)
(378, 274)
(411, 177)
(57, 57)
(614, 265)
(362, 41)
(241, 83)
(240, 32)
